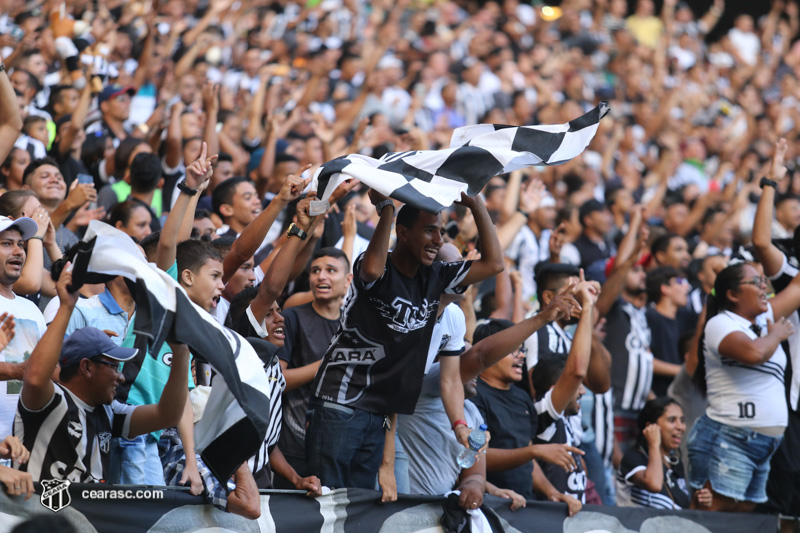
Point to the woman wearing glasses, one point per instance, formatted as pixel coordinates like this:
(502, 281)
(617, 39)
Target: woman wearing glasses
(741, 369)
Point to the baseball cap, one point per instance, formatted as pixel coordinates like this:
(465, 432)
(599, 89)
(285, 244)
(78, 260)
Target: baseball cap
(26, 226)
(112, 91)
(87, 343)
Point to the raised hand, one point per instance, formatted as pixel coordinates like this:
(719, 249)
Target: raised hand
(531, 195)
(294, 186)
(777, 170)
(587, 291)
(562, 306)
(652, 434)
(7, 330)
(64, 281)
(201, 170)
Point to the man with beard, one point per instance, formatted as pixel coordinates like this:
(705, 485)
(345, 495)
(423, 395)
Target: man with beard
(20, 313)
(428, 436)
(622, 303)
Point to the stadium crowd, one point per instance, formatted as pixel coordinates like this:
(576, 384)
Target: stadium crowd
(626, 323)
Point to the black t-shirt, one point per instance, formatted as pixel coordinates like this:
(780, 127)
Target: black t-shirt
(628, 341)
(674, 492)
(590, 251)
(552, 429)
(308, 335)
(665, 333)
(377, 358)
(511, 419)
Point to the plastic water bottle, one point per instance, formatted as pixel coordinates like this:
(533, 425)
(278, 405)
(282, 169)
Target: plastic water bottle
(476, 441)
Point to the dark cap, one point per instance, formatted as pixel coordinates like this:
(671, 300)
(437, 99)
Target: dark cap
(87, 343)
(112, 91)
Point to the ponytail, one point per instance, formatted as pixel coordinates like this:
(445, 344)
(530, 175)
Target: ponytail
(727, 280)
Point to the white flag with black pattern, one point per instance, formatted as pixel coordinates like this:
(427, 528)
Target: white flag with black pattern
(433, 179)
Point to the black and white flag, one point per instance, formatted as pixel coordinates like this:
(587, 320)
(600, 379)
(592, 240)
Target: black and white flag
(433, 179)
(235, 421)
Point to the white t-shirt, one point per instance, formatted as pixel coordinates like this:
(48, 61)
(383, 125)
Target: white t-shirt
(448, 334)
(29, 328)
(743, 395)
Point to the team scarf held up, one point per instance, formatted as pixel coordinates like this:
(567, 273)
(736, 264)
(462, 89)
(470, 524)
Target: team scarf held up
(432, 180)
(235, 420)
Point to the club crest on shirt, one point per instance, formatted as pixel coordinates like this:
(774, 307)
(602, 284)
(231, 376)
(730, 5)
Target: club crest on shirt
(104, 439)
(75, 428)
(404, 316)
(353, 348)
(55, 495)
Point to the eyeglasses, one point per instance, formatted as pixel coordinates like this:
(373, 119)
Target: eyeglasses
(116, 366)
(758, 281)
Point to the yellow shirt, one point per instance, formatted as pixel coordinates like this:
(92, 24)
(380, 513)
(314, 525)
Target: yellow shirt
(646, 30)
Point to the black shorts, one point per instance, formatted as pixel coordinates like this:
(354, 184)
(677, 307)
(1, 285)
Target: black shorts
(783, 487)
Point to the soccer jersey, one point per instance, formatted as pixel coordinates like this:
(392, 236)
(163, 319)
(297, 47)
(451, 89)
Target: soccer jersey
(553, 429)
(526, 251)
(448, 335)
(69, 439)
(377, 358)
(674, 491)
(628, 341)
(779, 282)
(743, 395)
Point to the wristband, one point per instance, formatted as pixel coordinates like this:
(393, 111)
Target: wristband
(459, 423)
(519, 210)
(768, 182)
(185, 189)
(380, 205)
(37, 237)
(2, 67)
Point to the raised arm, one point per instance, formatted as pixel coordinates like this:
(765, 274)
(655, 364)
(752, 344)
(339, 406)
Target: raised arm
(275, 278)
(491, 262)
(766, 252)
(174, 143)
(77, 119)
(170, 407)
(211, 107)
(10, 118)
(578, 360)
(495, 347)
(626, 257)
(197, 174)
(254, 234)
(374, 262)
(37, 381)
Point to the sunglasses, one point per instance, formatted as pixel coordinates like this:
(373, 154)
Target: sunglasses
(116, 366)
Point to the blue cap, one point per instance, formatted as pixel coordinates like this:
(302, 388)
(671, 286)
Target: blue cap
(112, 91)
(87, 343)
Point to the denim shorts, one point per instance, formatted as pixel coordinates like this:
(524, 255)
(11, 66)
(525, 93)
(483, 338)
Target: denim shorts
(735, 460)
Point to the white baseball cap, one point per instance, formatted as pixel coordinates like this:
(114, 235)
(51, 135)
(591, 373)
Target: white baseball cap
(26, 226)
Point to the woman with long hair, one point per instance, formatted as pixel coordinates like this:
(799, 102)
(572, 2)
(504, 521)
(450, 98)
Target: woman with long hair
(741, 368)
(651, 473)
(132, 217)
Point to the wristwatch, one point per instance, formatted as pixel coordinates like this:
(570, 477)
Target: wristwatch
(294, 230)
(185, 189)
(380, 205)
(766, 181)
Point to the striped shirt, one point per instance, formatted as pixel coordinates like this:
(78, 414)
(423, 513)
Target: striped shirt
(68, 438)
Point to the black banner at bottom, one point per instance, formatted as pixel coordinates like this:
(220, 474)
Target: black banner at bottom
(121, 508)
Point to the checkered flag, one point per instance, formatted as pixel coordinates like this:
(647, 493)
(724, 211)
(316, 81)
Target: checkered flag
(433, 179)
